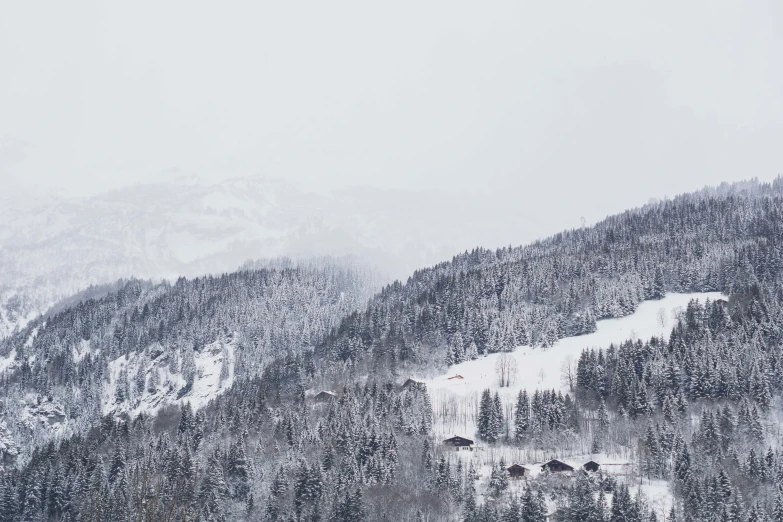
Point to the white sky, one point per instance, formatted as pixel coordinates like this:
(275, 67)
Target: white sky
(572, 108)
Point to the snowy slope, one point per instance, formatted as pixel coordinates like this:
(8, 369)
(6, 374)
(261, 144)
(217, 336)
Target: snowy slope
(170, 383)
(455, 400)
(459, 389)
(542, 368)
(8, 449)
(8, 363)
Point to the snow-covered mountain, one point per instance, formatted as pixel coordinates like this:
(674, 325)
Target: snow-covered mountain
(53, 246)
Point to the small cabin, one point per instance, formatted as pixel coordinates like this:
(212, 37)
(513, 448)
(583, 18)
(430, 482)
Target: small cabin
(412, 384)
(556, 466)
(324, 396)
(591, 466)
(459, 443)
(515, 471)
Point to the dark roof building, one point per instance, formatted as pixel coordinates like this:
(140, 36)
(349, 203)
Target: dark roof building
(459, 443)
(325, 396)
(414, 384)
(517, 471)
(556, 466)
(591, 466)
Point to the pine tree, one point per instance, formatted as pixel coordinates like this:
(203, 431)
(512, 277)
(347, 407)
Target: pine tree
(521, 417)
(659, 284)
(497, 421)
(487, 422)
(499, 479)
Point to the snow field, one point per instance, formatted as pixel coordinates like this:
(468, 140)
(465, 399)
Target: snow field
(456, 395)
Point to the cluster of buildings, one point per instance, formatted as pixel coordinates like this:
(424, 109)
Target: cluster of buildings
(519, 471)
(515, 471)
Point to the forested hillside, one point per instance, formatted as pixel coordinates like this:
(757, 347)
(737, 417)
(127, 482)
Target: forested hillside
(146, 346)
(694, 415)
(488, 301)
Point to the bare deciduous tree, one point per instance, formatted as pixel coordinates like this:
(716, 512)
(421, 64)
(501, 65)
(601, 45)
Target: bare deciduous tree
(662, 319)
(568, 372)
(506, 369)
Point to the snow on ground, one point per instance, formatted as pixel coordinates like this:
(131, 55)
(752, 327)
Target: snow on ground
(8, 448)
(10, 320)
(207, 385)
(29, 342)
(81, 350)
(38, 410)
(455, 400)
(541, 368)
(9, 362)
(171, 386)
(455, 395)
(658, 493)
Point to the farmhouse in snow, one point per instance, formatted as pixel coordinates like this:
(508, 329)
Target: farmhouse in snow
(459, 443)
(414, 384)
(324, 396)
(516, 471)
(591, 466)
(556, 466)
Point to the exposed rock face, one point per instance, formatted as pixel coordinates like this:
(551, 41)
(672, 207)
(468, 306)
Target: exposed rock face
(43, 411)
(8, 449)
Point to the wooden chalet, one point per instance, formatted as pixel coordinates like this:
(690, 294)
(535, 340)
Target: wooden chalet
(591, 466)
(414, 385)
(324, 396)
(459, 443)
(556, 466)
(515, 471)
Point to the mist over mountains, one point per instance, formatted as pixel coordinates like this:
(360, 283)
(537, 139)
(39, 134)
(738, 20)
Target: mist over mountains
(54, 246)
(649, 348)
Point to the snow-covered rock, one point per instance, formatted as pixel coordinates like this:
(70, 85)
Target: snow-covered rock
(8, 363)
(8, 448)
(39, 411)
(146, 382)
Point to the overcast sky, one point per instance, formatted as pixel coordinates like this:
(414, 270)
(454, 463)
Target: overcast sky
(583, 108)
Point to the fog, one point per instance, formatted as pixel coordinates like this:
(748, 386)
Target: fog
(560, 110)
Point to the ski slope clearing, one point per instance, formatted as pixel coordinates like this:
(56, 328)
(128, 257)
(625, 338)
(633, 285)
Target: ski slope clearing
(543, 368)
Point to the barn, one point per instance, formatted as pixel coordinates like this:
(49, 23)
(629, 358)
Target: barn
(591, 466)
(324, 396)
(556, 466)
(414, 385)
(459, 443)
(516, 471)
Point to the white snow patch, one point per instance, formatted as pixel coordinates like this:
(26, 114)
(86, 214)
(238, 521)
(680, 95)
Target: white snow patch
(8, 448)
(39, 411)
(658, 493)
(455, 401)
(29, 342)
(207, 385)
(81, 350)
(171, 385)
(8, 363)
(542, 368)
